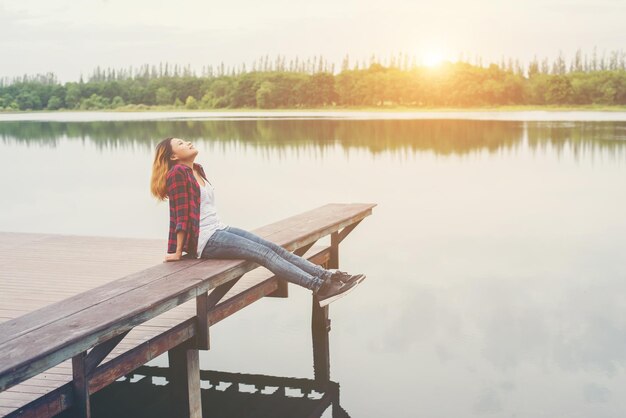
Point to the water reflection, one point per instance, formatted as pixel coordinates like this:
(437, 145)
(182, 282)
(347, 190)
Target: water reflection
(580, 138)
(520, 322)
(442, 137)
(146, 393)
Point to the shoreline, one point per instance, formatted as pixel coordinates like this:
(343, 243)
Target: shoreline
(508, 113)
(334, 109)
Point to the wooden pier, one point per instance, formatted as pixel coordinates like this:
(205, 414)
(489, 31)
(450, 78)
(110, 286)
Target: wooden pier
(78, 313)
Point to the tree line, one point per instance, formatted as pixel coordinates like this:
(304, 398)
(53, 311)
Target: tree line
(277, 83)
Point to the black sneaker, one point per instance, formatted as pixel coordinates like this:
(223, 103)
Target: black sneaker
(344, 277)
(332, 290)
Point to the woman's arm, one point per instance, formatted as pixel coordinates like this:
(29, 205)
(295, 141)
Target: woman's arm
(180, 239)
(177, 193)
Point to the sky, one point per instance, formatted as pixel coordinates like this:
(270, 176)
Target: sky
(70, 38)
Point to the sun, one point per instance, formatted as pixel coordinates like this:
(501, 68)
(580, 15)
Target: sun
(432, 58)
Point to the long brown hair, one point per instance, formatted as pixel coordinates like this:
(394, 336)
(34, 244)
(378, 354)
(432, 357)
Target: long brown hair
(160, 166)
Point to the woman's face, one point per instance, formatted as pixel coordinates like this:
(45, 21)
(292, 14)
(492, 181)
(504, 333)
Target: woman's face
(183, 150)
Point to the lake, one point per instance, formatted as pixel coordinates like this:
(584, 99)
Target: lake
(496, 276)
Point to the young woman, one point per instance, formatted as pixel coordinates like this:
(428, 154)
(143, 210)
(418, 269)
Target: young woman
(196, 229)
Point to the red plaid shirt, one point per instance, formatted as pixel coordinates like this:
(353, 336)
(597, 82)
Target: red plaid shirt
(183, 192)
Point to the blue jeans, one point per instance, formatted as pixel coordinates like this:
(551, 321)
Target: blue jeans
(236, 243)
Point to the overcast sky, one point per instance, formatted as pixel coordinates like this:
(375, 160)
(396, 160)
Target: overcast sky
(73, 37)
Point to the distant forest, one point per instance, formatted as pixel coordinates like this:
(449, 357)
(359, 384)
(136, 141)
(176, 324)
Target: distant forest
(275, 83)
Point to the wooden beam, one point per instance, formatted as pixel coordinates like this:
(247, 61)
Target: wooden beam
(333, 262)
(345, 231)
(80, 383)
(205, 303)
(184, 363)
(99, 352)
(320, 322)
(202, 325)
(320, 327)
(302, 250)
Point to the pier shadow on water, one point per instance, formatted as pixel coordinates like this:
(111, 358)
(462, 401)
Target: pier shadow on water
(146, 393)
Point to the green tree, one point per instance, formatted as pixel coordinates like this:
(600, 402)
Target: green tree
(5, 101)
(54, 103)
(207, 101)
(117, 102)
(191, 103)
(309, 83)
(264, 98)
(72, 95)
(95, 102)
(28, 100)
(221, 89)
(164, 96)
(559, 90)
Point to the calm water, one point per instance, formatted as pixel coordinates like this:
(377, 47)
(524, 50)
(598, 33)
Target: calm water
(495, 257)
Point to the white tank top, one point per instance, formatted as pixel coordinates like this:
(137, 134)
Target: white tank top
(209, 221)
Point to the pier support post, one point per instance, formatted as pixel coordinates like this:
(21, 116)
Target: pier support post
(83, 367)
(204, 303)
(335, 239)
(80, 382)
(320, 326)
(320, 322)
(184, 363)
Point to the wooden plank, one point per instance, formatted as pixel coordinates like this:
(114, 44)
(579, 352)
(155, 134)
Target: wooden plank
(83, 266)
(27, 388)
(42, 317)
(48, 382)
(46, 406)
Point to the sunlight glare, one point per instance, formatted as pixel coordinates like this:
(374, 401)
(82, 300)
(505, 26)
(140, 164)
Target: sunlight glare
(432, 58)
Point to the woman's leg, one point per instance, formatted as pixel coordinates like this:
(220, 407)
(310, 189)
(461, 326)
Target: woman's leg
(224, 244)
(301, 262)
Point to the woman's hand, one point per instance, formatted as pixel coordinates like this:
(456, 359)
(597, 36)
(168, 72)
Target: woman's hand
(172, 257)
